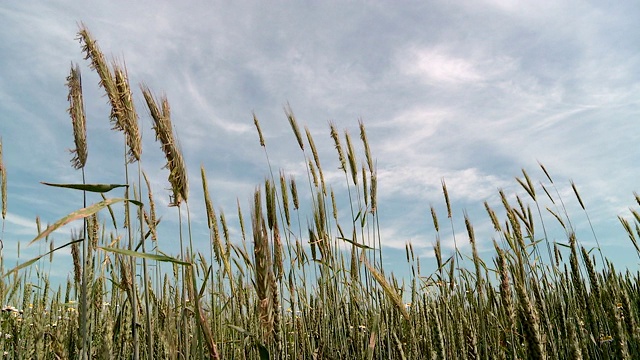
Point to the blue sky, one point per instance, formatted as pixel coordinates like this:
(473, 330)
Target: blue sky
(467, 91)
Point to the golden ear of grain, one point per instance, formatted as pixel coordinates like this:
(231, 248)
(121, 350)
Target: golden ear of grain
(593, 278)
(439, 337)
(164, 133)
(278, 262)
(211, 217)
(151, 218)
(257, 124)
(93, 233)
(78, 119)
(77, 268)
(531, 323)
(241, 219)
(128, 116)
(334, 206)
(116, 84)
(446, 198)
(374, 192)
(575, 190)
(355, 261)
(545, 172)
(262, 261)
(393, 295)
(51, 250)
(529, 184)
(294, 125)
(151, 104)
(313, 241)
(270, 197)
(525, 186)
(434, 218)
(285, 198)
(505, 289)
(314, 175)
(226, 250)
(294, 193)
(557, 218)
(437, 250)
(351, 156)
(316, 158)
(365, 187)
(336, 141)
(470, 232)
(547, 192)
(493, 217)
(365, 142)
(107, 79)
(474, 252)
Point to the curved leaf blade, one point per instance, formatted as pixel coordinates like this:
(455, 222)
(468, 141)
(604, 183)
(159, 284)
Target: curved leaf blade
(80, 214)
(163, 258)
(97, 188)
(361, 246)
(29, 262)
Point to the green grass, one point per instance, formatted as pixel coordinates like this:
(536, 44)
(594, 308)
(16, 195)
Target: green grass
(304, 283)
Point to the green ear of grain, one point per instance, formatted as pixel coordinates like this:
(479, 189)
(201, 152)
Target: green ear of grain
(80, 214)
(34, 260)
(97, 188)
(163, 258)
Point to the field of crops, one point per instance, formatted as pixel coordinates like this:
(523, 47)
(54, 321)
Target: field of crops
(298, 283)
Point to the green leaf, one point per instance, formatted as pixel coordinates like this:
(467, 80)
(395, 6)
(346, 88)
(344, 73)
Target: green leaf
(80, 214)
(163, 258)
(204, 282)
(30, 262)
(98, 188)
(362, 246)
(111, 213)
(264, 353)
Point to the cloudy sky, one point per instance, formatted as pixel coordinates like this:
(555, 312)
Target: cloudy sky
(468, 91)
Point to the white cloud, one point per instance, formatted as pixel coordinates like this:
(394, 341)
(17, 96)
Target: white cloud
(22, 225)
(424, 182)
(442, 66)
(435, 65)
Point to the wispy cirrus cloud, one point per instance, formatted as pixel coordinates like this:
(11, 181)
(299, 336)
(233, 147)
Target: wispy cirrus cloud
(441, 66)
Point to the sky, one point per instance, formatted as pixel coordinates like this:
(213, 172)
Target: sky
(470, 92)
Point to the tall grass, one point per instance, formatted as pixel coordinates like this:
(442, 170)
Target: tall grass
(305, 283)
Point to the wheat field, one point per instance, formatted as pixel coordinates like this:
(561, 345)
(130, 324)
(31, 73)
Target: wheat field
(298, 283)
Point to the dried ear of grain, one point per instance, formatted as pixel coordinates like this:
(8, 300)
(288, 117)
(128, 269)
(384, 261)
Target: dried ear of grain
(128, 116)
(262, 263)
(164, 133)
(365, 142)
(338, 146)
(78, 119)
(351, 156)
(294, 125)
(257, 124)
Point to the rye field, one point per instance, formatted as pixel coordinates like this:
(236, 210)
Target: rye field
(300, 282)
